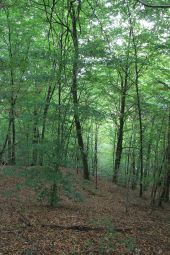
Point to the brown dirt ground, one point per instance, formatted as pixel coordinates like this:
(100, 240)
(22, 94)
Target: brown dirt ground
(149, 229)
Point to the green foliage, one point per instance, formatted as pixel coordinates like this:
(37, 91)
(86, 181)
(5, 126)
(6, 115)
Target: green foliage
(49, 184)
(36, 63)
(10, 171)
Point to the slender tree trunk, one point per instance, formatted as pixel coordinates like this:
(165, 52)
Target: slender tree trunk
(128, 154)
(46, 107)
(158, 183)
(6, 143)
(114, 149)
(167, 188)
(133, 171)
(157, 165)
(139, 111)
(148, 156)
(12, 132)
(96, 154)
(120, 134)
(133, 163)
(60, 137)
(91, 149)
(9, 148)
(13, 159)
(44, 119)
(75, 18)
(165, 192)
(35, 139)
(141, 137)
(67, 139)
(121, 128)
(76, 156)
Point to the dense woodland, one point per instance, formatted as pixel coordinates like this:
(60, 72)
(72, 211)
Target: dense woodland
(84, 86)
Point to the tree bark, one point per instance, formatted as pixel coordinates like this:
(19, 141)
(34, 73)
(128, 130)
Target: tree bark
(75, 18)
(35, 138)
(12, 132)
(96, 154)
(138, 106)
(124, 85)
(165, 192)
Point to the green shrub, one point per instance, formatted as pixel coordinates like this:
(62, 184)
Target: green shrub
(49, 184)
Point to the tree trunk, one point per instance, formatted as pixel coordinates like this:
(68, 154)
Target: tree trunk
(12, 132)
(148, 156)
(139, 110)
(35, 139)
(165, 192)
(74, 92)
(13, 154)
(9, 148)
(6, 143)
(114, 148)
(141, 138)
(121, 128)
(120, 134)
(96, 154)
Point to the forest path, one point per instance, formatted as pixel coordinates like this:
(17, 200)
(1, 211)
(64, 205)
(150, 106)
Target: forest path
(22, 220)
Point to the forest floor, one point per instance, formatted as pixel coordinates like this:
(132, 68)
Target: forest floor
(98, 225)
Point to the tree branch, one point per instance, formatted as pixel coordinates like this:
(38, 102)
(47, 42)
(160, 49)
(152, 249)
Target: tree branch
(154, 5)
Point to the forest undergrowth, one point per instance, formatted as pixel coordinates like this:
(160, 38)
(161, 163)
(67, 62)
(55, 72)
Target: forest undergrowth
(105, 221)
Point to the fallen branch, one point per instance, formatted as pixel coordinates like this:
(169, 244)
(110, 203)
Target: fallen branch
(85, 228)
(81, 228)
(74, 227)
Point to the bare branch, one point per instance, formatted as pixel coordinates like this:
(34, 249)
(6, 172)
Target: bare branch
(164, 84)
(154, 5)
